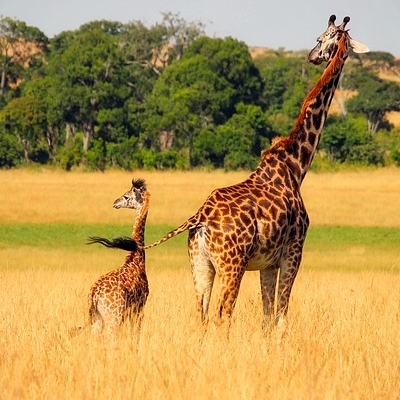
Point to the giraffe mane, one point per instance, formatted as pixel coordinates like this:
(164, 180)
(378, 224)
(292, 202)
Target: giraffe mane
(334, 65)
(139, 183)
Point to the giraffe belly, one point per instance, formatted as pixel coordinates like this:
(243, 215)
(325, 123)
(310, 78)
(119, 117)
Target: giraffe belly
(263, 259)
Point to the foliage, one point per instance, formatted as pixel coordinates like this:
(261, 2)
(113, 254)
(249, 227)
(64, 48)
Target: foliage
(10, 150)
(25, 118)
(374, 99)
(127, 95)
(348, 140)
(200, 93)
(287, 79)
(390, 141)
(20, 46)
(71, 155)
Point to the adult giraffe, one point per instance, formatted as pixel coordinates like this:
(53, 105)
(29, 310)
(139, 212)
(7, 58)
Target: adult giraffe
(261, 223)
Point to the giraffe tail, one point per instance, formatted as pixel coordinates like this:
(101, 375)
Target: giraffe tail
(185, 226)
(123, 243)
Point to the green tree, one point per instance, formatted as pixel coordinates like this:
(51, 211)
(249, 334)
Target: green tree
(288, 77)
(348, 140)
(235, 144)
(19, 45)
(25, 118)
(231, 61)
(200, 91)
(375, 98)
(10, 150)
(46, 91)
(186, 98)
(158, 46)
(88, 65)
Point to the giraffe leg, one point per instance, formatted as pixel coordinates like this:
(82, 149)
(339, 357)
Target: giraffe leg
(287, 275)
(135, 317)
(111, 310)
(95, 318)
(203, 278)
(230, 284)
(97, 324)
(268, 279)
(203, 272)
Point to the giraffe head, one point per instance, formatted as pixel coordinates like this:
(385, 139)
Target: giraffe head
(328, 42)
(134, 197)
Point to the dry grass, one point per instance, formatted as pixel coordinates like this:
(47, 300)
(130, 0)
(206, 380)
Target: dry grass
(53, 197)
(341, 343)
(365, 198)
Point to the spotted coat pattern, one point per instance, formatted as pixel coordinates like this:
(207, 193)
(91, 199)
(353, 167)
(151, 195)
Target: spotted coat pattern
(123, 292)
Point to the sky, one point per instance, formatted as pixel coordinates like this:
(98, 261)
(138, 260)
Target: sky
(276, 24)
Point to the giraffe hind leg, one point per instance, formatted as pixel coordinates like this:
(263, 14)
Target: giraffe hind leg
(203, 278)
(203, 273)
(97, 322)
(230, 284)
(95, 318)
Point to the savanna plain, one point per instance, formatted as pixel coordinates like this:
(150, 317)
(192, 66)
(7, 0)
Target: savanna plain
(342, 339)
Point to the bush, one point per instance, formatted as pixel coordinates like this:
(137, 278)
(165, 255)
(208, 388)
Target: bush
(390, 142)
(170, 159)
(11, 152)
(396, 157)
(349, 140)
(238, 160)
(362, 148)
(71, 154)
(96, 155)
(123, 154)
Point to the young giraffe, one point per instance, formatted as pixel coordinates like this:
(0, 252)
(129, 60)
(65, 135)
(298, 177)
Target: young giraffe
(123, 292)
(261, 223)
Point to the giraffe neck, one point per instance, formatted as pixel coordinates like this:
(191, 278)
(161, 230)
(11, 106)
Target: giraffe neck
(298, 150)
(139, 223)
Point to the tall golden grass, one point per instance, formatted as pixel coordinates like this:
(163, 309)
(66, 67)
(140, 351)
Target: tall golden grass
(342, 342)
(342, 339)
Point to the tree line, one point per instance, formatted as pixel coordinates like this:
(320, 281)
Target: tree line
(167, 96)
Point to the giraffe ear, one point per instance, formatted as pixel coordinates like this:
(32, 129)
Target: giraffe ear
(358, 47)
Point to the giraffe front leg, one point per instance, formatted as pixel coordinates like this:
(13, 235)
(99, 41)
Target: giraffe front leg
(287, 275)
(268, 279)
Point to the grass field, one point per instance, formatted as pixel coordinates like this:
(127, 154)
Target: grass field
(341, 343)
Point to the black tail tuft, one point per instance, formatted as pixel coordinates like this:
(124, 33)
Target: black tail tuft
(123, 243)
